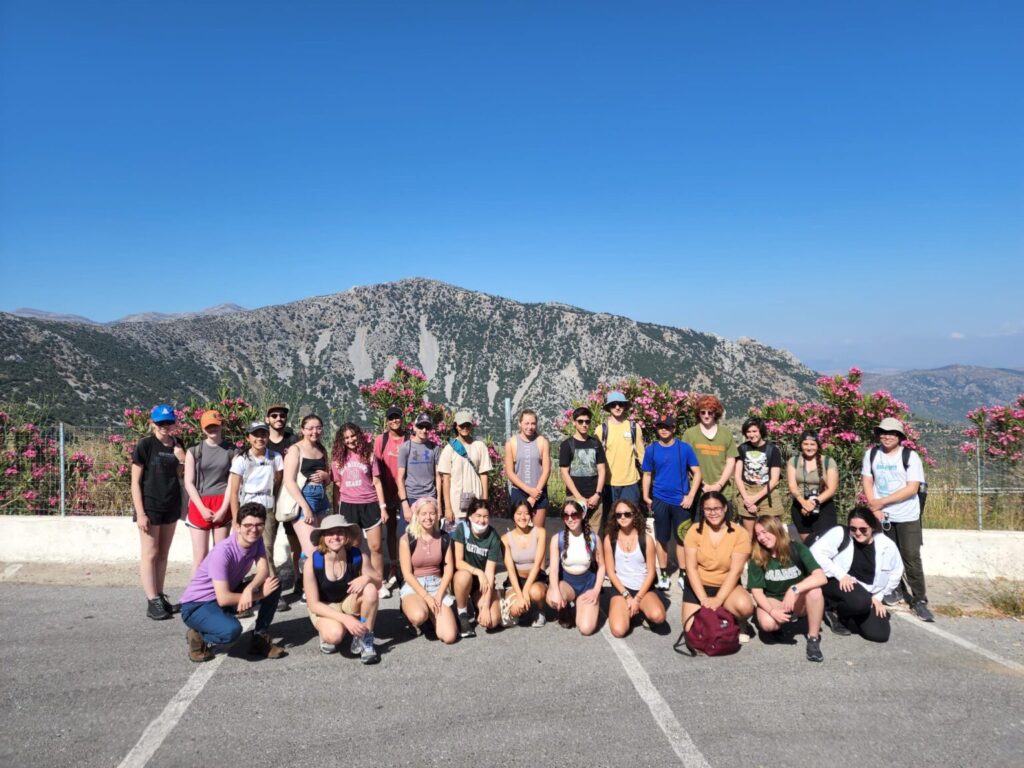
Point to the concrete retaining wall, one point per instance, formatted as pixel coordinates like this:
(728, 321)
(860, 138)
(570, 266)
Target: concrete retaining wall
(976, 554)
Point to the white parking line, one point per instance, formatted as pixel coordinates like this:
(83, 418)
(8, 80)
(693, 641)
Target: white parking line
(960, 641)
(164, 723)
(10, 570)
(662, 713)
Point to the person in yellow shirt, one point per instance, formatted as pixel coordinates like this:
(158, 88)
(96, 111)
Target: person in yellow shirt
(623, 444)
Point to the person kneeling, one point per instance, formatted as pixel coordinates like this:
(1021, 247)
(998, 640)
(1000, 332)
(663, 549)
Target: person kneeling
(425, 555)
(576, 571)
(786, 582)
(861, 568)
(629, 556)
(341, 590)
(477, 554)
(219, 590)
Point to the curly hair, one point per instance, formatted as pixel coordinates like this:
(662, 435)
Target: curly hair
(639, 520)
(340, 452)
(710, 403)
(780, 551)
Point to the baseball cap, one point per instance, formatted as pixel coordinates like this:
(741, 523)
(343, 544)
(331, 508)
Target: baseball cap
(161, 413)
(210, 417)
(393, 413)
(256, 426)
(424, 419)
(666, 421)
(463, 417)
(277, 407)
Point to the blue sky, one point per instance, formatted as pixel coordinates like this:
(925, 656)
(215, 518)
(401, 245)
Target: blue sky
(843, 180)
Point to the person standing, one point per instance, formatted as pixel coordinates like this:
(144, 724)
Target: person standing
(527, 466)
(668, 489)
(813, 480)
(463, 466)
(892, 476)
(281, 439)
(757, 474)
(583, 468)
(417, 469)
(624, 449)
(386, 447)
(207, 466)
(157, 463)
(358, 494)
(714, 446)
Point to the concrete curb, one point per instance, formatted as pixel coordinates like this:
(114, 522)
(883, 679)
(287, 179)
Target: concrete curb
(950, 553)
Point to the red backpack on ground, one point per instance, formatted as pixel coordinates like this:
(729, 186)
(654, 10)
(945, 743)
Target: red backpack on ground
(711, 632)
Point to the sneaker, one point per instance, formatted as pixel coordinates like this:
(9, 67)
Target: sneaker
(836, 625)
(246, 614)
(356, 646)
(540, 620)
(302, 598)
(198, 650)
(155, 610)
(384, 592)
(262, 645)
(369, 654)
(465, 628)
(282, 605)
(746, 631)
(663, 582)
(390, 582)
(920, 609)
(168, 605)
(413, 631)
(328, 648)
(893, 598)
(682, 583)
(814, 649)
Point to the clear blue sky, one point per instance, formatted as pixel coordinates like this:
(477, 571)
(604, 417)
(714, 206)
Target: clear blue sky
(842, 179)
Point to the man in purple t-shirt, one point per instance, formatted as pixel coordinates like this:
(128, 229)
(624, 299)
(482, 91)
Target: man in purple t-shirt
(220, 589)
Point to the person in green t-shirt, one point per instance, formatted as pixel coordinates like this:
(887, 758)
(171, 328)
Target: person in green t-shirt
(478, 551)
(714, 446)
(786, 582)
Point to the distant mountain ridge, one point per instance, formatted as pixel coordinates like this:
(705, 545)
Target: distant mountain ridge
(142, 317)
(476, 348)
(946, 394)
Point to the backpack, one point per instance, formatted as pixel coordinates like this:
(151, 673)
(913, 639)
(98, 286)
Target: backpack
(641, 540)
(590, 544)
(711, 632)
(632, 439)
(922, 488)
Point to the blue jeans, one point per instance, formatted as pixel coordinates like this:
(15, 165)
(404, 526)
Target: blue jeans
(613, 493)
(219, 626)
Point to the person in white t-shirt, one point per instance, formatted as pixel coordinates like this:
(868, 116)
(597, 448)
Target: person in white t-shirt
(892, 476)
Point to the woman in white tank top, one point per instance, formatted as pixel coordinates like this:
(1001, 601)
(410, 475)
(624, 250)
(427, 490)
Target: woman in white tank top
(629, 556)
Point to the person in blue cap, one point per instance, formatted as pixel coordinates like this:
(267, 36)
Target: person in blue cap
(157, 465)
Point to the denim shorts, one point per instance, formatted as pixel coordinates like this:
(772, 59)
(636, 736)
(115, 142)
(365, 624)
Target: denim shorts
(580, 583)
(316, 496)
(429, 583)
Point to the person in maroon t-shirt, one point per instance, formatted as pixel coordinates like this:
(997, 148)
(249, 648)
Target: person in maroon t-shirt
(385, 450)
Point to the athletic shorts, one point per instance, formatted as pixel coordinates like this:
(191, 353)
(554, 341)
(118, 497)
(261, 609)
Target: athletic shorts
(689, 596)
(542, 578)
(429, 583)
(366, 516)
(667, 518)
(348, 606)
(516, 495)
(196, 520)
(160, 517)
(580, 583)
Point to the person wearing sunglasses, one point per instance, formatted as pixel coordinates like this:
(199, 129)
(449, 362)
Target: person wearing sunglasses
(279, 440)
(157, 464)
(575, 571)
(892, 475)
(714, 446)
(220, 590)
(630, 560)
(581, 464)
(417, 470)
(862, 567)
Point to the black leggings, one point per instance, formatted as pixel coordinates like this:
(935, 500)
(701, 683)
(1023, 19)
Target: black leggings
(856, 611)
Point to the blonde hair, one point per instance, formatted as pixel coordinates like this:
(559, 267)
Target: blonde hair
(778, 529)
(415, 527)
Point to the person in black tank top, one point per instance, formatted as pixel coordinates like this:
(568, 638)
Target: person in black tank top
(342, 589)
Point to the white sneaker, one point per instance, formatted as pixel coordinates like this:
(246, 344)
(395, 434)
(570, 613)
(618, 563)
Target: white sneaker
(357, 645)
(663, 583)
(682, 583)
(327, 648)
(541, 620)
(384, 592)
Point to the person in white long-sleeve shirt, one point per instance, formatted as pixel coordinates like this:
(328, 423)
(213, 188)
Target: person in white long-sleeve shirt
(861, 568)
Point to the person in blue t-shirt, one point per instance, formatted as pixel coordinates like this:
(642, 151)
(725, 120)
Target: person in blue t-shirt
(675, 470)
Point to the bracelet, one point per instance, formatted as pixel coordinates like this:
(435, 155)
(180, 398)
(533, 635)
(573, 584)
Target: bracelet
(402, 501)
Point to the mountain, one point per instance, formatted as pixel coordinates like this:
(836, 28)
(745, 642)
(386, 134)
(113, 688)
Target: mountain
(947, 394)
(144, 317)
(476, 348)
(42, 314)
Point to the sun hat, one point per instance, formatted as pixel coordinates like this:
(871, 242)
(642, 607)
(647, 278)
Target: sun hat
(210, 417)
(162, 412)
(463, 417)
(256, 426)
(329, 522)
(889, 424)
(614, 398)
(424, 420)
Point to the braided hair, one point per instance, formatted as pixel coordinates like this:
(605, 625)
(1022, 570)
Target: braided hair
(587, 534)
(811, 435)
(719, 497)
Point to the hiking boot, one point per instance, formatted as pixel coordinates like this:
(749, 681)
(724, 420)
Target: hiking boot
(814, 649)
(920, 609)
(836, 624)
(155, 610)
(168, 605)
(262, 645)
(894, 598)
(369, 654)
(465, 628)
(198, 650)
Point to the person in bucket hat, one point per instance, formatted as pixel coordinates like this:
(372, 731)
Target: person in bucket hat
(623, 444)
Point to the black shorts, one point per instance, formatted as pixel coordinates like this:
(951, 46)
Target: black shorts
(366, 516)
(689, 596)
(824, 520)
(160, 517)
(542, 578)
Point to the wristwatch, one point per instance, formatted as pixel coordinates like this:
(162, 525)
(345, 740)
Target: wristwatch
(794, 590)
(625, 593)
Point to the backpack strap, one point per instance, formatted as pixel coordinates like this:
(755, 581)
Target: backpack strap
(871, 460)
(412, 544)
(604, 434)
(906, 458)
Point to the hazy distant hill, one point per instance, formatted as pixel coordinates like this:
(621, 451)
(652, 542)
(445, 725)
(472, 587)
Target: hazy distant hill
(476, 348)
(144, 317)
(946, 394)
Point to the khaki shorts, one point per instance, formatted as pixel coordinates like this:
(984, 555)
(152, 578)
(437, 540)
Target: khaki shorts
(762, 506)
(350, 606)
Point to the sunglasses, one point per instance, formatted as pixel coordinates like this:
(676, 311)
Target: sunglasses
(571, 515)
(277, 415)
(706, 413)
(582, 421)
(623, 515)
(859, 529)
(395, 418)
(617, 405)
(165, 424)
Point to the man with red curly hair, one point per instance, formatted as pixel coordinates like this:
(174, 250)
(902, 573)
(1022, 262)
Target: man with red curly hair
(714, 446)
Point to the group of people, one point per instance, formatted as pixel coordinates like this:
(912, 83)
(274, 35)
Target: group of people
(429, 503)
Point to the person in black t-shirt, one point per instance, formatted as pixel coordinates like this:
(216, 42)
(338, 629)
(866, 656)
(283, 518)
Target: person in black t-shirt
(582, 465)
(157, 463)
(281, 439)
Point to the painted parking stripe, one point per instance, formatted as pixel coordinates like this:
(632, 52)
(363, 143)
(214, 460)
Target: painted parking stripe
(158, 730)
(1016, 667)
(10, 570)
(677, 736)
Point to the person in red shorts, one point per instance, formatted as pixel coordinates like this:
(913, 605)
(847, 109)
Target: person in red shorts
(206, 483)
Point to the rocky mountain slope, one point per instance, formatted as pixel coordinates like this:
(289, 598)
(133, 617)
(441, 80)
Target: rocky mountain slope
(477, 349)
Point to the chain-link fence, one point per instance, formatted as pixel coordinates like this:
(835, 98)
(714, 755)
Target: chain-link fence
(972, 490)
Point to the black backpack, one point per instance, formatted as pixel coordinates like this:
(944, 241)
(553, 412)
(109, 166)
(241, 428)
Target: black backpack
(922, 488)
